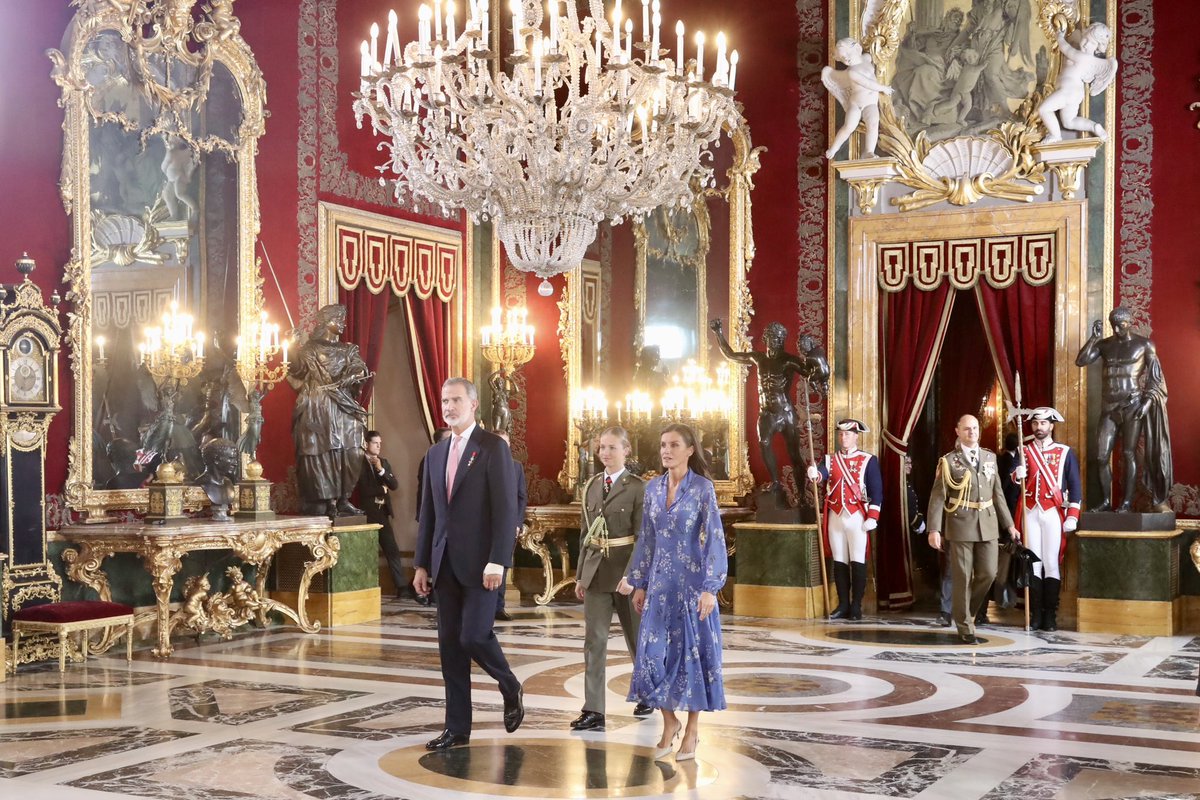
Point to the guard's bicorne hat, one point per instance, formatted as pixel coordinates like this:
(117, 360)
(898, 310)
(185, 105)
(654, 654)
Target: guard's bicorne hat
(853, 425)
(1046, 413)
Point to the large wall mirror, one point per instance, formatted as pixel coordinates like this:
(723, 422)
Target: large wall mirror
(162, 121)
(635, 318)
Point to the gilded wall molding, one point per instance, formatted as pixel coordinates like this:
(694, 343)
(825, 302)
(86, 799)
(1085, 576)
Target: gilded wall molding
(80, 113)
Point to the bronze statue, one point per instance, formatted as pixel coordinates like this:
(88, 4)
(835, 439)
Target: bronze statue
(328, 422)
(220, 470)
(776, 367)
(1133, 402)
(502, 387)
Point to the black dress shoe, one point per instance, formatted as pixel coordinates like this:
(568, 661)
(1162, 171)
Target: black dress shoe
(968, 638)
(503, 616)
(446, 740)
(514, 711)
(943, 620)
(588, 721)
(427, 600)
(642, 710)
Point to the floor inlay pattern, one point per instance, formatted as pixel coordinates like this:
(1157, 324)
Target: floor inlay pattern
(886, 707)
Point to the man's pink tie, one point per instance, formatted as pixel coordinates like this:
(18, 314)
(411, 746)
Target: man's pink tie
(452, 463)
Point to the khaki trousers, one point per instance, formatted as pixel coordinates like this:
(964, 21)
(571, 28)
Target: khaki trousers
(598, 610)
(972, 571)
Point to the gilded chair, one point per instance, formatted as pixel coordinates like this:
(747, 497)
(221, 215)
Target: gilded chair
(35, 611)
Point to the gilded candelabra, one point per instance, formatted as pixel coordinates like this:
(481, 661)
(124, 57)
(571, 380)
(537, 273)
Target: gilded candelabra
(507, 347)
(590, 419)
(174, 352)
(257, 348)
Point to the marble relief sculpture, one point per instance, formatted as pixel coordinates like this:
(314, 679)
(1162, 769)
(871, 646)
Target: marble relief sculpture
(857, 92)
(1084, 65)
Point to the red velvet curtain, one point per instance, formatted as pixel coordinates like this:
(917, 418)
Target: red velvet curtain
(429, 336)
(967, 377)
(1019, 323)
(366, 318)
(913, 329)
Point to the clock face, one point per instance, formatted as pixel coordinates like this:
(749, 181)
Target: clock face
(26, 372)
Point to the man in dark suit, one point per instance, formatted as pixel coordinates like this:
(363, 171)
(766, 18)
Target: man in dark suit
(376, 481)
(464, 542)
(439, 435)
(522, 501)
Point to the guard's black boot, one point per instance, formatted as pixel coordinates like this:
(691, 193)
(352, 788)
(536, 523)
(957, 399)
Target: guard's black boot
(1035, 604)
(841, 579)
(858, 587)
(1050, 589)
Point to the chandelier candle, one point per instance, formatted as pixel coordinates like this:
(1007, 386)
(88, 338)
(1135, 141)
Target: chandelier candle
(541, 142)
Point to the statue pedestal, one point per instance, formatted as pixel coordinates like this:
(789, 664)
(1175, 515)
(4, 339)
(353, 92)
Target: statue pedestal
(779, 571)
(1129, 580)
(346, 594)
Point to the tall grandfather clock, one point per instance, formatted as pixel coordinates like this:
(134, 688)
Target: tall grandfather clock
(30, 338)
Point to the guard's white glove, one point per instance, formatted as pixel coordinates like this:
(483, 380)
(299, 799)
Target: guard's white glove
(814, 474)
(1070, 524)
(870, 524)
(1019, 473)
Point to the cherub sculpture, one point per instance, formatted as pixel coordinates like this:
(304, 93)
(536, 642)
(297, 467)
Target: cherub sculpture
(857, 92)
(1081, 67)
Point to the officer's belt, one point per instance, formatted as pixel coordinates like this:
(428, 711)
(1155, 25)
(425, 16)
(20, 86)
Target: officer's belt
(976, 506)
(606, 542)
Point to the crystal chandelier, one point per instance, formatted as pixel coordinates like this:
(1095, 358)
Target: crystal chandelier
(586, 126)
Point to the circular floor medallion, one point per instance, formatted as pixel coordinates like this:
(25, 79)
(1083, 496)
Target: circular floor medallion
(781, 685)
(891, 636)
(548, 768)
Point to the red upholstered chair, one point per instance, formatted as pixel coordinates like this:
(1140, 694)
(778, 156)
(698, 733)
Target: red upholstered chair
(59, 618)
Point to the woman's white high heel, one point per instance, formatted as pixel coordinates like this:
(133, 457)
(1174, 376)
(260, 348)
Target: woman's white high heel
(663, 752)
(689, 756)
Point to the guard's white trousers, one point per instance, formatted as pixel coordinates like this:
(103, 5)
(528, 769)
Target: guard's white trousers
(847, 539)
(1043, 535)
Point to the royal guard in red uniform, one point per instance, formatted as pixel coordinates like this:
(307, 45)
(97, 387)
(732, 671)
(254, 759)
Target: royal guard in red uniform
(852, 496)
(1051, 510)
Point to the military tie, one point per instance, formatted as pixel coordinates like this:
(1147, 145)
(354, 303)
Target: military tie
(607, 485)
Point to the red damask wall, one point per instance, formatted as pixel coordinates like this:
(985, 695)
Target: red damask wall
(312, 151)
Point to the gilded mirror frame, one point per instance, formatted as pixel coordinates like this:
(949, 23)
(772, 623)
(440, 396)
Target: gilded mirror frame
(698, 262)
(736, 193)
(234, 54)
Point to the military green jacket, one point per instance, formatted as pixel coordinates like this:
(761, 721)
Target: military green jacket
(967, 503)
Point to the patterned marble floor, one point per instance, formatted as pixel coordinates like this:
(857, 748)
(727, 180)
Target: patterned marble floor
(885, 707)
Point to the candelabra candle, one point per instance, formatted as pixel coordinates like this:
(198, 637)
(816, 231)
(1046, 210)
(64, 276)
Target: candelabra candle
(173, 351)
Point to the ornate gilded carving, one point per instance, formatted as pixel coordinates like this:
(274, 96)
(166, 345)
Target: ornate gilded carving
(1000, 164)
(199, 41)
(1070, 177)
(866, 192)
(162, 549)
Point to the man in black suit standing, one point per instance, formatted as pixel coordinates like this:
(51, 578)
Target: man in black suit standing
(502, 614)
(464, 541)
(376, 481)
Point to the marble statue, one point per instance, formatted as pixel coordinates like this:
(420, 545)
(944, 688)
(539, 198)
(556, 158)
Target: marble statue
(1081, 66)
(776, 368)
(220, 471)
(857, 92)
(1133, 405)
(328, 422)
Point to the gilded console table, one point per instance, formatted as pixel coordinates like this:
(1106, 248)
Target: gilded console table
(162, 548)
(545, 525)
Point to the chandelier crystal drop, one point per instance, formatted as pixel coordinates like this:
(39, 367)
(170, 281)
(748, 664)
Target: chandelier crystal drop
(585, 125)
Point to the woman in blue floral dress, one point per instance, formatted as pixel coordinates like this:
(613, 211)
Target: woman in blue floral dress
(677, 569)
